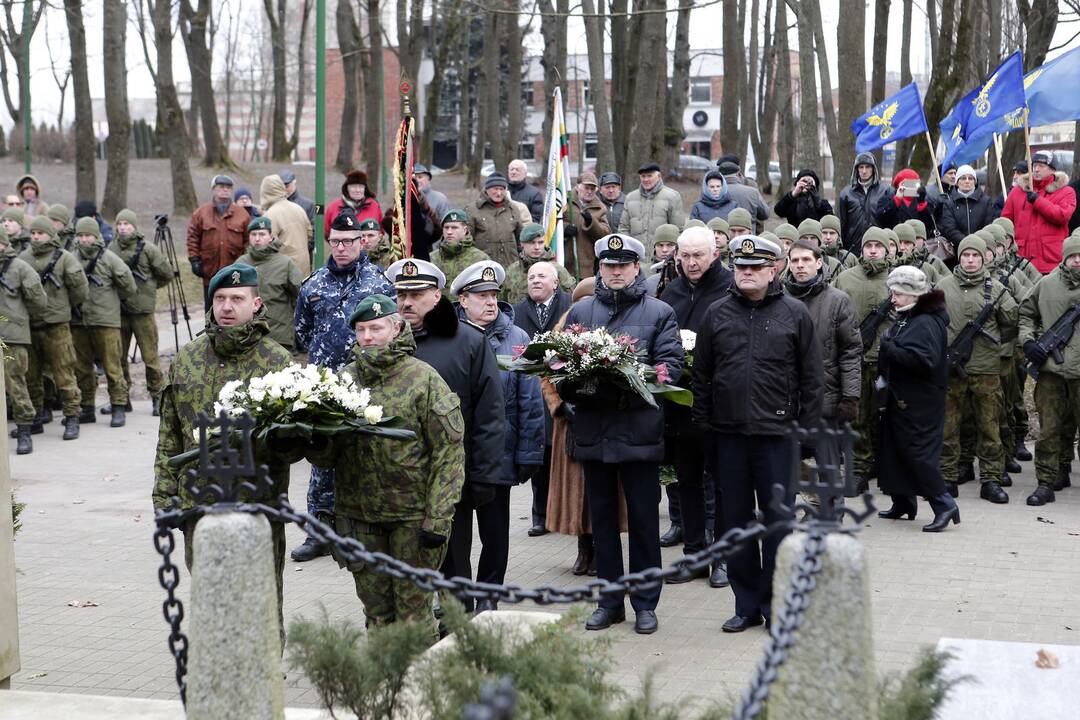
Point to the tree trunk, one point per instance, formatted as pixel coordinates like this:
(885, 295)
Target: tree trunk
(877, 76)
(851, 68)
(492, 132)
(651, 66)
(761, 139)
(748, 111)
(904, 147)
(348, 42)
(809, 151)
(785, 143)
(373, 106)
(832, 131)
(13, 40)
(594, 42)
(514, 59)
(1040, 18)
(466, 114)
(677, 97)
(734, 70)
(85, 143)
(172, 128)
(276, 18)
(944, 86)
(301, 81)
(114, 26)
(410, 36)
(623, 74)
(200, 59)
(452, 26)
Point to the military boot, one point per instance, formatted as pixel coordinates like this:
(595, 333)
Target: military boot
(107, 410)
(156, 404)
(965, 474)
(1011, 465)
(1021, 453)
(992, 491)
(1063, 480)
(44, 417)
(25, 444)
(118, 418)
(1042, 495)
(36, 428)
(87, 415)
(71, 427)
(1006, 480)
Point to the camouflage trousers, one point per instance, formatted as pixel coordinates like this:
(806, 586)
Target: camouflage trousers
(387, 599)
(1011, 434)
(277, 538)
(102, 343)
(320, 492)
(144, 328)
(866, 424)
(1057, 401)
(51, 349)
(984, 394)
(1019, 407)
(22, 409)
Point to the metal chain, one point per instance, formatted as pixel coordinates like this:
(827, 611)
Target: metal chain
(784, 626)
(172, 608)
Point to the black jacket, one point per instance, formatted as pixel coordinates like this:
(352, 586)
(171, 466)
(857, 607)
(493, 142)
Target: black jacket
(892, 211)
(624, 428)
(531, 197)
(806, 205)
(912, 362)
(461, 355)
(961, 216)
(757, 366)
(857, 206)
(525, 314)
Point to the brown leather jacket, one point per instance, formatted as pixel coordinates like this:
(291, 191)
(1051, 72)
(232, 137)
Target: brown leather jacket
(217, 239)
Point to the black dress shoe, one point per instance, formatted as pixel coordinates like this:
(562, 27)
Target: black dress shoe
(537, 531)
(1021, 453)
(486, 604)
(1012, 466)
(719, 578)
(1006, 480)
(901, 506)
(687, 577)
(672, 537)
(992, 491)
(603, 618)
(966, 473)
(738, 623)
(1042, 495)
(645, 622)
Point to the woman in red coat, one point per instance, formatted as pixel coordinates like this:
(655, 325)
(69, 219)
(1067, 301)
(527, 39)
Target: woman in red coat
(1041, 214)
(355, 194)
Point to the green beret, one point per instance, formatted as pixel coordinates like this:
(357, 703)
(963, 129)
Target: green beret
(740, 217)
(831, 222)
(1071, 246)
(44, 224)
(919, 227)
(904, 233)
(787, 231)
(261, 223)
(370, 224)
(719, 224)
(455, 215)
(530, 231)
(16, 214)
(667, 233)
(972, 242)
(59, 213)
(372, 307)
(233, 276)
(127, 215)
(693, 222)
(810, 226)
(1006, 223)
(85, 226)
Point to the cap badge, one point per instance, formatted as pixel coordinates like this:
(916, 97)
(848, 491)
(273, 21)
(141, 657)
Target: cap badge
(488, 275)
(748, 247)
(409, 269)
(615, 243)
(377, 309)
(234, 278)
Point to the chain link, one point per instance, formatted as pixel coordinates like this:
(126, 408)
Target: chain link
(172, 608)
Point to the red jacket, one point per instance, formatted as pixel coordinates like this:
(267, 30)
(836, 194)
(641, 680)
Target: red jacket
(370, 209)
(217, 239)
(1042, 226)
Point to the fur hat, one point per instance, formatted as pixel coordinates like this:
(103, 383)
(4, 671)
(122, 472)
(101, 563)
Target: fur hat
(908, 280)
(356, 177)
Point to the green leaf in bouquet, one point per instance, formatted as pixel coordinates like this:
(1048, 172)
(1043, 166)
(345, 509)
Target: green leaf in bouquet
(637, 384)
(187, 457)
(673, 393)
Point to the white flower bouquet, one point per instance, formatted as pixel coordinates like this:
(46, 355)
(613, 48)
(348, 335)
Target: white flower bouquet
(301, 401)
(689, 342)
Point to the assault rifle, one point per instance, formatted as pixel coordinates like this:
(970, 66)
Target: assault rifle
(868, 328)
(1054, 340)
(47, 273)
(959, 352)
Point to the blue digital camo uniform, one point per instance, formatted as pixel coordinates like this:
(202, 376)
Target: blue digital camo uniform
(327, 298)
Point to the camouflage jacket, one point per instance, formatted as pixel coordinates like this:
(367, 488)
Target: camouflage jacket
(67, 271)
(327, 298)
(279, 286)
(200, 370)
(453, 259)
(516, 287)
(385, 479)
(865, 285)
(151, 264)
(382, 255)
(1043, 305)
(66, 236)
(965, 296)
(111, 283)
(22, 296)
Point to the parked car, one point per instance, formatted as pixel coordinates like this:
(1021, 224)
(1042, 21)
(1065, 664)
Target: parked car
(774, 173)
(692, 167)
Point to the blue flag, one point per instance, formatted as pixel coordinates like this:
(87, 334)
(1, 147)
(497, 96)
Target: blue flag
(960, 149)
(968, 130)
(894, 118)
(1051, 90)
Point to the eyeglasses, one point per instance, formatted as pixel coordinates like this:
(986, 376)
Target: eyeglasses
(343, 242)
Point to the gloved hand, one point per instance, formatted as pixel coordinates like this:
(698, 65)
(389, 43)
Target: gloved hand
(920, 194)
(430, 540)
(846, 410)
(1032, 197)
(196, 266)
(1035, 353)
(479, 493)
(569, 230)
(525, 473)
(586, 216)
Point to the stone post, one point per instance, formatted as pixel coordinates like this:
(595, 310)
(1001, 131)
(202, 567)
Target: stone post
(9, 613)
(829, 672)
(234, 669)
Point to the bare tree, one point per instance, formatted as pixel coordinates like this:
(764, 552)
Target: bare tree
(197, 23)
(809, 151)
(511, 76)
(594, 42)
(651, 76)
(553, 60)
(62, 83)
(678, 95)
(349, 43)
(301, 79)
(445, 44)
(734, 72)
(489, 70)
(114, 30)
(945, 86)
(785, 137)
(851, 64)
(11, 37)
(764, 121)
(410, 37)
(85, 143)
(832, 130)
(904, 147)
(624, 58)
(373, 104)
(232, 48)
(877, 61)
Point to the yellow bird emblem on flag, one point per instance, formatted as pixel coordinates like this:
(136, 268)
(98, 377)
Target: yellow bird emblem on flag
(981, 101)
(884, 121)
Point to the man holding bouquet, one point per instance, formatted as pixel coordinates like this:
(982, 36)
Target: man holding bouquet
(618, 437)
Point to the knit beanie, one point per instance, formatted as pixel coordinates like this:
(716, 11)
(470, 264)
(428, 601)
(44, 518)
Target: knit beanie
(772, 237)
(719, 224)
(1006, 223)
(909, 280)
(972, 242)
(809, 226)
(128, 215)
(16, 214)
(59, 213)
(831, 222)
(919, 227)
(43, 224)
(87, 226)
(1071, 246)
(666, 233)
(3, 235)
(740, 217)
(891, 238)
(693, 222)
(904, 233)
(875, 234)
(998, 232)
(787, 231)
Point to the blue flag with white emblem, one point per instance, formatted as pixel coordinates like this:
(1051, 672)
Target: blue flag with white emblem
(1051, 93)
(969, 128)
(895, 118)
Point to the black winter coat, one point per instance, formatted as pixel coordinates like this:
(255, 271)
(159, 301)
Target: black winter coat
(912, 362)
(529, 196)
(961, 216)
(461, 355)
(757, 366)
(811, 205)
(627, 430)
(857, 207)
(525, 316)
(893, 210)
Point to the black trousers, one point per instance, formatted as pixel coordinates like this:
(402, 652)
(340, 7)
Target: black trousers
(747, 468)
(641, 486)
(493, 524)
(540, 490)
(698, 494)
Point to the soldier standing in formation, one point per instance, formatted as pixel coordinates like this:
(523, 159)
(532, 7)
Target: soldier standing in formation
(61, 220)
(20, 294)
(279, 279)
(14, 225)
(456, 250)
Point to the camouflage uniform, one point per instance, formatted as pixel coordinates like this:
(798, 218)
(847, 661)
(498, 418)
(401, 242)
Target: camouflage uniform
(20, 295)
(327, 298)
(965, 295)
(453, 259)
(1011, 433)
(389, 490)
(96, 329)
(279, 286)
(50, 335)
(865, 285)
(516, 287)
(199, 371)
(382, 255)
(151, 271)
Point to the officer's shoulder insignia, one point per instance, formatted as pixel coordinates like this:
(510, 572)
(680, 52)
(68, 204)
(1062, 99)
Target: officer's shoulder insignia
(748, 246)
(489, 274)
(615, 243)
(409, 269)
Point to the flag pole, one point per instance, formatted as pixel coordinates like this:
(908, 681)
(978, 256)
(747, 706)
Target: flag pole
(1027, 147)
(933, 158)
(1001, 170)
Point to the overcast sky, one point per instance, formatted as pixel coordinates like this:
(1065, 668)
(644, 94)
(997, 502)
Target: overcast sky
(50, 41)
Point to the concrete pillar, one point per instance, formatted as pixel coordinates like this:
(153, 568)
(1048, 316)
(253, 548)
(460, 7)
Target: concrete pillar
(829, 672)
(234, 668)
(9, 612)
